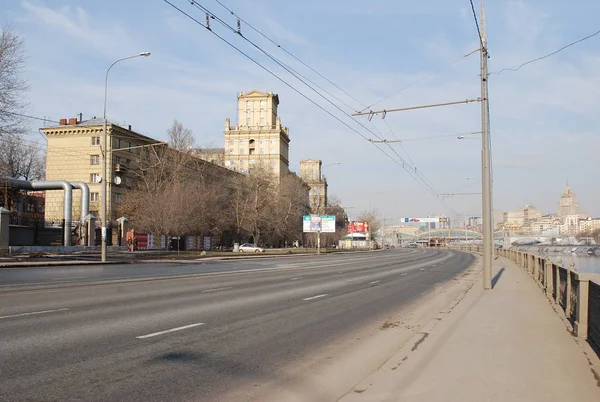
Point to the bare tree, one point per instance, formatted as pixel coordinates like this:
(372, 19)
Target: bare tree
(180, 137)
(12, 85)
(19, 160)
(371, 219)
(290, 204)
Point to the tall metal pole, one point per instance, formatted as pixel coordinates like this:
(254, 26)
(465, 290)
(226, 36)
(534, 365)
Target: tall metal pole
(486, 193)
(105, 149)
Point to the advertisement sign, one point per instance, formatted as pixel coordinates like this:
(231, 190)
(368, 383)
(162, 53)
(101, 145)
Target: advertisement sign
(328, 224)
(358, 227)
(315, 223)
(306, 223)
(420, 220)
(207, 243)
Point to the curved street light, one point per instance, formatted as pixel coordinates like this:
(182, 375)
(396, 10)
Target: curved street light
(104, 155)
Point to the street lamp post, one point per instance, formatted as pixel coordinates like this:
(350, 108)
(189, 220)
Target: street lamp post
(105, 156)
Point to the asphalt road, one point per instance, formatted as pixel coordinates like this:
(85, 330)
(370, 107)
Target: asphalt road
(162, 332)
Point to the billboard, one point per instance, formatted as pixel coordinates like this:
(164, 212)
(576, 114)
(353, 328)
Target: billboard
(315, 223)
(420, 220)
(306, 223)
(358, 227)
(328, 224)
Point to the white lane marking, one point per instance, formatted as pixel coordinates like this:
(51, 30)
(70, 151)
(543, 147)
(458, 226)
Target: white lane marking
(405, 273)
(315, 297)
(216, 289)
(294, 279)
(169, 330)
(68, 278)
(34, 313)
(422, 269)
(374, 282)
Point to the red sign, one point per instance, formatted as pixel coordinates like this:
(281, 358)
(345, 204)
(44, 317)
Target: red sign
(142, 241)
(358, 227)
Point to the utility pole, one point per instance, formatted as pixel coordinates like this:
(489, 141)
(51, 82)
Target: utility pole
(486, 189)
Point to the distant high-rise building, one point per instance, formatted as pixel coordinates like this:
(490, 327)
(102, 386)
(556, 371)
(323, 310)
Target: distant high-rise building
(568, 203)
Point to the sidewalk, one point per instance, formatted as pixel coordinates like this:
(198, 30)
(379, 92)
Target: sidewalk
(503, 345)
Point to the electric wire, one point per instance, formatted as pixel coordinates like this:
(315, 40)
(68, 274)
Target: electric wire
(401, 163)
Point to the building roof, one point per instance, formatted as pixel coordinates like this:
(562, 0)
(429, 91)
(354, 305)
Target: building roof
(97, 122)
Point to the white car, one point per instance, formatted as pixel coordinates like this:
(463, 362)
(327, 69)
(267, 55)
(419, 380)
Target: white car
(251, 248)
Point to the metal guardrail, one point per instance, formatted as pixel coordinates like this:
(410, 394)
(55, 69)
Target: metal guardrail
(577, 294)
(594, 314)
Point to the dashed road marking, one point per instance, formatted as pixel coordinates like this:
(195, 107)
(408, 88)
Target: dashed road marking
(34, 313)
(216, 289)
(315, 297)
(169, 330)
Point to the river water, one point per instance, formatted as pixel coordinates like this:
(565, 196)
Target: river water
(583, 264)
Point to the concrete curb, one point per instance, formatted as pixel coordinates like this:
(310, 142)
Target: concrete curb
(46, 264)
(40, 264)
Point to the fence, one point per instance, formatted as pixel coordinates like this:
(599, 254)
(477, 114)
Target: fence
(577, 294)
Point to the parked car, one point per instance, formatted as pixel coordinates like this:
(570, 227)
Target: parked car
(251, 248)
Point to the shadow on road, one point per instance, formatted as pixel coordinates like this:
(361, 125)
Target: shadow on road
(496, 277)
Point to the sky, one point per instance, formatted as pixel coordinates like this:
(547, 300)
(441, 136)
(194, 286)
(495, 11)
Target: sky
(384, 53)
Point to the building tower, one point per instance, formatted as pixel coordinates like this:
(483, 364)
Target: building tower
(568, 203)
(258, 140)
(310, 172)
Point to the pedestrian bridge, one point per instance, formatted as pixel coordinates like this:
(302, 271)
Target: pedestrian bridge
(452, 234)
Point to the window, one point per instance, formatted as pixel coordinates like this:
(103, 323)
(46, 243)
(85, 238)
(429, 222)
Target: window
(94, 178)
(117, 143)
(117, 197)
(94, 197)
(231, 142)
(262, 142)
(262, 121)
(94, 159)
(95, 140)
(262, 150)
(273, 151)
(231, 151)
(271, 162)
(262, 105)
(248, 121)
(129, 145)
(118, 160)
(272, 141)
(251, 162)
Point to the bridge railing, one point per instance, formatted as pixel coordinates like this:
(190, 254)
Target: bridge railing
(578, 294)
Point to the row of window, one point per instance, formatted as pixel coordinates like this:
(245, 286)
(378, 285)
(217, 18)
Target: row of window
(95, 197)
(252, 151)
(252, 141)
(252, 162)
(250, 104)
(95, 160)
(117, 142)
(95, 178)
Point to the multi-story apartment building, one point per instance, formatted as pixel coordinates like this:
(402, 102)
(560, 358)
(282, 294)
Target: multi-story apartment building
(589, 225)
(258, 140)
(75, 150)
(310, 172)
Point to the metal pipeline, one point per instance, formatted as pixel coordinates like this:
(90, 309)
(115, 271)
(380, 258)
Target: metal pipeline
(51, 185)
(67, 205)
